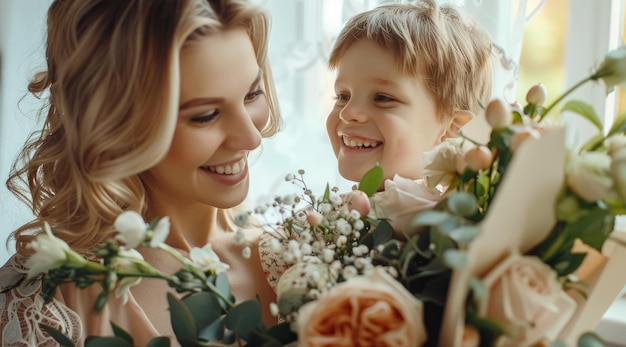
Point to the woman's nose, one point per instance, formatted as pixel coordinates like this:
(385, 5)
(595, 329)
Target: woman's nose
(245, 134)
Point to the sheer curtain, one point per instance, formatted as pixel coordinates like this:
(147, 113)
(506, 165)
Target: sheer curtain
(302, 35)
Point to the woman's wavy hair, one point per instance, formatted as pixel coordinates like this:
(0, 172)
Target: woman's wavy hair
(449, 50)
(112, 91)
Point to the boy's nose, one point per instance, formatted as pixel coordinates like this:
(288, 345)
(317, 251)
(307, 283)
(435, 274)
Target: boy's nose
(351, 112)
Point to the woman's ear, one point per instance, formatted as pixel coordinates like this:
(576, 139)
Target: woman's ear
(454, 124)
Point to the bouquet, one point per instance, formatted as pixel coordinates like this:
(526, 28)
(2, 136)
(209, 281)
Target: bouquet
(482, 251)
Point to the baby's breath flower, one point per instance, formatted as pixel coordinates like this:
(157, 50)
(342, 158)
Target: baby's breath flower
(290, 177)
(328, 255)
(241, 219)
(324, 208)
(239, 237)
(246, 252)
(358, 225)
(274, 309)
(349, 272)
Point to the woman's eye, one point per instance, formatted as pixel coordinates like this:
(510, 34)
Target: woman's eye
(206, 117)
(254, 95)
(383, 98)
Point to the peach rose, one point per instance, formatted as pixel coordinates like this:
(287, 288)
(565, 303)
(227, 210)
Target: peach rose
(402, 200)
(372, 310)
(526, 299)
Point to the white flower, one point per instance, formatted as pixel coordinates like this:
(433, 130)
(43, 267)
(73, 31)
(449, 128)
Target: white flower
(241, 219)
(440, 164)
(246, 252)
(401, 200)
(128, 262)
(132, 228)
(50, 252)
(589, 175)
(613, 69)
(207, 260)
(160, 232)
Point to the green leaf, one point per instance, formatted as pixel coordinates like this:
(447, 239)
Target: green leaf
(214, 331)
(440, 242)
(160, 341)
(204, 307)
(464, 234)
(462, 204)
(478, 287)
(590, 340)
(568, 263)
(326, 196)
(584, 109)
(372, 180)
(455, 258)
(283, 333)
(593, 228)
(183, 324)
(244, 317)
(382, 233)
(96, 341)
(593, 143)
(121, 333)
(57, 335)
(558, 343)
(430, 217)
(619, 125)
(221, 282)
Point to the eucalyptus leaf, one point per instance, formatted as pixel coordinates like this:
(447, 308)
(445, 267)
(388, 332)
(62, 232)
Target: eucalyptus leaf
(160, 341)
(93, 341)
(558, 343)
(478, 287)
(183, 323)
(283, 333)
(214, 331)
(382, 233)
(57, 335)
(229, 337)
(244, 317)
(590, 339)
(440, 242)
(221, 282)
(455, 258)
(462, 204)
(585, 110)
(121, 333)
(204, 307)
(430, 217)
(465, 234)
(372, 180)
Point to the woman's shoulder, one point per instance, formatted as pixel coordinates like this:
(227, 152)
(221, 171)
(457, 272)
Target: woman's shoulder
(22, 309)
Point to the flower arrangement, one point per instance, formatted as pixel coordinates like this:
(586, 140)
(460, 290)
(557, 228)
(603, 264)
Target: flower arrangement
(480, 252)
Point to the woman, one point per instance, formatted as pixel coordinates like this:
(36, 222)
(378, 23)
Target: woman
(153, 106)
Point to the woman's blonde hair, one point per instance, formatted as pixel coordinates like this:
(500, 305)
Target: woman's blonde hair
(451, 52)
(112, 105)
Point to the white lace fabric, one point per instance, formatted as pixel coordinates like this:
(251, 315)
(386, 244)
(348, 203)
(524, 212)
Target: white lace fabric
(22, 310)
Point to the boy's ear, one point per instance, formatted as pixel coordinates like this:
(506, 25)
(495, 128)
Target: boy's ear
(458, 120)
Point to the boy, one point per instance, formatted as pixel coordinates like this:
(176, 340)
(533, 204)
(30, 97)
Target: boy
(408, 76)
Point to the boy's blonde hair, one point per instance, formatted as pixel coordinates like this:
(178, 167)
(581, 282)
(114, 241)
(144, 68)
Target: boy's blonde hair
(451, 52)
(112, 89)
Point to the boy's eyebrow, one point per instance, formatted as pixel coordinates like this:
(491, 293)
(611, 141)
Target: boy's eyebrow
(202, 101)
(384, 82)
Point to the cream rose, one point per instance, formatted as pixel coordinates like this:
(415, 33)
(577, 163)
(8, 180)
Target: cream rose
(402, 200)
(372, 310)
(526, 299)
(589, 175)
(441, 164)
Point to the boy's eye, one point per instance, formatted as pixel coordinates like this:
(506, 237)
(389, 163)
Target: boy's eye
(383, 98)
(342, 99)
(253, 95)
(206, 117)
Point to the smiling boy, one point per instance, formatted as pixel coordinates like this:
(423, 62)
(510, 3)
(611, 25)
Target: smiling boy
(408, 76)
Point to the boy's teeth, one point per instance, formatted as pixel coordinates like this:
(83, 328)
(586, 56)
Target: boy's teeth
(359, 144)
(230, 169)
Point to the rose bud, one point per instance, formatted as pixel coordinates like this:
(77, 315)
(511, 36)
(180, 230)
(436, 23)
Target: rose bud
(358, 200)
(537, 95)
(498, 114)
(479, 158)
(314, 218)
(521, 136)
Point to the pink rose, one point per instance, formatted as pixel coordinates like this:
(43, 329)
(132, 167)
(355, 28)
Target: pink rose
(442, 162)
(526, 299)
(359, 201)
(372, 310)
(402, 200)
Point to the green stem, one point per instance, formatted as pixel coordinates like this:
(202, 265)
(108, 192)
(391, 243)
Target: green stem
(569, 91)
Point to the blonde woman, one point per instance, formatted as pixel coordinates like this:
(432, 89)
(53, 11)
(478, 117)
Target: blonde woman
(152, 106)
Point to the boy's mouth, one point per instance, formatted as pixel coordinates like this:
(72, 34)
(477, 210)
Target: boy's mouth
(356, 143)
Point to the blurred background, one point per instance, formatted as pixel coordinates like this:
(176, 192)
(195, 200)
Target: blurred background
(554, 42)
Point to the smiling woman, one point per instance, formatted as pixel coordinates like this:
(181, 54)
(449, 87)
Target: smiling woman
(109, 144)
